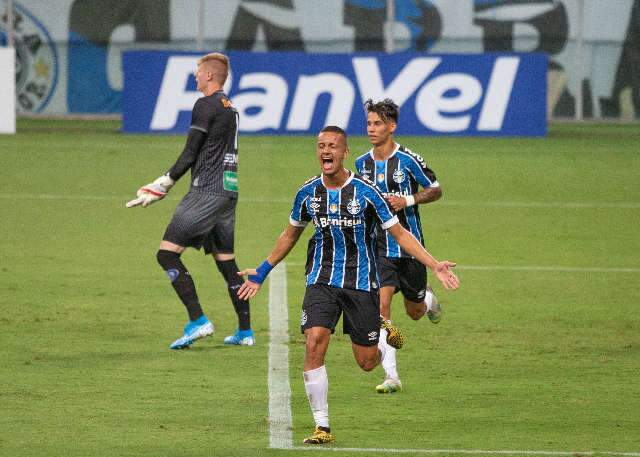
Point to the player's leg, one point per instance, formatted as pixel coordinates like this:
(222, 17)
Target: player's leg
(389, 283)
(320, 313)
(419, 299)
(180, 233)
(221, 243)
(168, 256)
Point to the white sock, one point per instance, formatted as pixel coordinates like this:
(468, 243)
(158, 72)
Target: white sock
(388, 354)
(428, 300)
(316, 383)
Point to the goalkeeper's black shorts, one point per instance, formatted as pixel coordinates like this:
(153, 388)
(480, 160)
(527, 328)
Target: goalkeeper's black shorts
(204, 221)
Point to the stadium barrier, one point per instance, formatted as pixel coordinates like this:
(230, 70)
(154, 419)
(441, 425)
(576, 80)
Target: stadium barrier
(298, 93)
(7, 90)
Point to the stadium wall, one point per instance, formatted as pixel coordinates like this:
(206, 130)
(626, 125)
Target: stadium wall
(69, 51)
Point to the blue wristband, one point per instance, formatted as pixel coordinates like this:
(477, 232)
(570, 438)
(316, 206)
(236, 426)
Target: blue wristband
(261, 273)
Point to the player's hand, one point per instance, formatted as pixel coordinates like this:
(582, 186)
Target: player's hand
(396, 203)
(249, 289)
(152, 192)
(447, 277)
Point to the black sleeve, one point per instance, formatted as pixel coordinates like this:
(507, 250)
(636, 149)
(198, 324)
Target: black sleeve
(201, 117)
(195, 140)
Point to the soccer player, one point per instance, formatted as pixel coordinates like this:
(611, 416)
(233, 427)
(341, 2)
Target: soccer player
(345, 210)
(398, 173)
(205, 218)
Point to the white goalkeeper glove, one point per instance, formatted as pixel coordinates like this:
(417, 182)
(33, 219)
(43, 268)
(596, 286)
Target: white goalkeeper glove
(152, 192)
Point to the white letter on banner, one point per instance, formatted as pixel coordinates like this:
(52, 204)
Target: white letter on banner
(403, 85)
(173, 97)
(431, 101)
(498, 93)
(271, 101)
(309, 88)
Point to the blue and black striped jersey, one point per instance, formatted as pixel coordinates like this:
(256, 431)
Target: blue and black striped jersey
(400, 175)
(341, 252)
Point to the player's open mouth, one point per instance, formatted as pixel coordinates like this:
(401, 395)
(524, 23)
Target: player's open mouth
(327, 163)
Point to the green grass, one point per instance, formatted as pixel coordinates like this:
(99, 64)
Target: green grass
(530, 360)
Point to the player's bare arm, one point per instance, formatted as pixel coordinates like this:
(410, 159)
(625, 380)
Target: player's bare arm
(428, 195)
(442, 270)
(285, 242)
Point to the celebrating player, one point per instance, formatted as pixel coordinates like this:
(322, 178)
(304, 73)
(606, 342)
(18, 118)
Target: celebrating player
(206, 215)
(345, 210)
(398, 173)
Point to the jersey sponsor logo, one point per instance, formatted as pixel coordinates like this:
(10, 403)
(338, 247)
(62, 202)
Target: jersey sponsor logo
(498, 94)
(398, 176)
(230, 181)
(230, 158)
(340, 222)
(372, 336)
(403, 193)
(36, 60)
(303, 317)
(313, 208)
(353, 206)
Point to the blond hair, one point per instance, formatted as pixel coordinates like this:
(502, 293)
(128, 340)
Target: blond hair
(218, 65)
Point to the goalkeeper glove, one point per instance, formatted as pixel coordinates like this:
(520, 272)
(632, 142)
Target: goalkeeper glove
(152, 192)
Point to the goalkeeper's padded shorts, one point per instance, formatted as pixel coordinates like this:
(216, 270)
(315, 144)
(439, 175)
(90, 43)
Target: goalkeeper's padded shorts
(204, 221)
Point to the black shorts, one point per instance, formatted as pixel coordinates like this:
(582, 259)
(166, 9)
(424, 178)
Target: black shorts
(407, 275)
(323, 305)
(204, 220)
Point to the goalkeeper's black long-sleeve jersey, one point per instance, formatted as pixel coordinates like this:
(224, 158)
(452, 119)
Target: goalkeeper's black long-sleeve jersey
(211, 151)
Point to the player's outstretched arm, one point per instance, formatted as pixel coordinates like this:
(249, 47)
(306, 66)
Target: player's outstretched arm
(152, 192)
(442, 270)
(256, 276)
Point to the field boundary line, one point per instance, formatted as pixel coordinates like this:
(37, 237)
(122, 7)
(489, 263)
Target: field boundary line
(532, 268)
(465, 451)
(280, 424)
(483, 204)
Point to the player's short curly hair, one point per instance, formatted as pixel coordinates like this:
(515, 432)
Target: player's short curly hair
(386, 109)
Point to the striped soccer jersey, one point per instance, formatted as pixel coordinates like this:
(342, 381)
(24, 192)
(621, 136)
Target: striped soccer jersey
(400, 175)
(341, 252)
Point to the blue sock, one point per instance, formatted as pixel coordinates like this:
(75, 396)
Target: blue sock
(200, 321)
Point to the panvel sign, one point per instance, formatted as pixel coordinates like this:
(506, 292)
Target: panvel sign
(299, 93)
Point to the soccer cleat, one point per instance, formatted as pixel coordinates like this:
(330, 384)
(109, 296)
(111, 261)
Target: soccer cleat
(321, 435)
(434, 310)
(193, 331)
(389, 386)
(395, 338)
(241, 338)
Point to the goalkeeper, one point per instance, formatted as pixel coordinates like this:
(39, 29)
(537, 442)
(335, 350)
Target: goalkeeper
(205, 218)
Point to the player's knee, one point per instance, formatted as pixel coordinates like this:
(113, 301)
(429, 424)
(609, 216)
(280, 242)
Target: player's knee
(368, 363)
(167, 259)
(415, 314)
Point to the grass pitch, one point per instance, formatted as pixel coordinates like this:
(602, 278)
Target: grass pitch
(539, 350)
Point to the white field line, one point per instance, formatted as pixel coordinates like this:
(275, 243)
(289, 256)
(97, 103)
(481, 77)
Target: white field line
(280, 422)
(532, 268)
(465, 451)
(280, 428)
(287, 200)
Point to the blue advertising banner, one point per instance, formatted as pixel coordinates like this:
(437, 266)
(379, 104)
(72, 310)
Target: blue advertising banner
(299, 93)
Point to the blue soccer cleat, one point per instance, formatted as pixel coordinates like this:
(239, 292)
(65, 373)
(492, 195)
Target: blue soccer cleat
(241, 338)
(193, 331)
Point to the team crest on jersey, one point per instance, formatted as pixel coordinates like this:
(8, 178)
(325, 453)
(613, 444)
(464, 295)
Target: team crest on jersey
(36, 60)
(353, 207)
(398, 176)
(380, 177)
(333, 207)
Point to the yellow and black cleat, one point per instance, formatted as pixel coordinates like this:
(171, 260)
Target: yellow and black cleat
(321, 435)
(395, 338)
